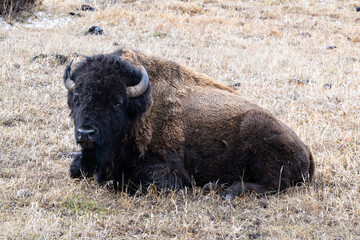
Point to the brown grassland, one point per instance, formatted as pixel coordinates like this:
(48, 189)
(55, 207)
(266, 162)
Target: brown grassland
(298, 59)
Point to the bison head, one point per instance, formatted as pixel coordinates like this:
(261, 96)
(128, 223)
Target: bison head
(106, 96)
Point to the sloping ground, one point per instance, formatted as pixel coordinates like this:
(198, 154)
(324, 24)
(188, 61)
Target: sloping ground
(299, 59)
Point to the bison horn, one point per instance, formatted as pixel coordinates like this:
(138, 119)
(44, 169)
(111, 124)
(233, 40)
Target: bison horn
(140, 88)
(69, 84)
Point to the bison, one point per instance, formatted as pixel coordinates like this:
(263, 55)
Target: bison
(140, 119)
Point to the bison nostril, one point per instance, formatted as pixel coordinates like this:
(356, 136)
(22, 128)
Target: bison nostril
(86, 131)
(86, 134)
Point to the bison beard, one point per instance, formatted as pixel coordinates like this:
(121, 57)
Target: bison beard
(145, 120)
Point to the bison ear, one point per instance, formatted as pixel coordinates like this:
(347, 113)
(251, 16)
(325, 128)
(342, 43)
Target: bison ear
(138, 106)
(68, 82)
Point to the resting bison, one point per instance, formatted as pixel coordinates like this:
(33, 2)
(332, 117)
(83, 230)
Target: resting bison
(142, 119)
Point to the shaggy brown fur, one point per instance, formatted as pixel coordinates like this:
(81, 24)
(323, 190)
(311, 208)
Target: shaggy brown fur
(163, 126)
(197, 127)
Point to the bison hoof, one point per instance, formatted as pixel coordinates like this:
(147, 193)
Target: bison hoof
(239, 187)
(229, 197)
(210, 186)
(75, 167)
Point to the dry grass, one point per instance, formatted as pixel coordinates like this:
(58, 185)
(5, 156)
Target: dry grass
(14, 8)
(277, 52)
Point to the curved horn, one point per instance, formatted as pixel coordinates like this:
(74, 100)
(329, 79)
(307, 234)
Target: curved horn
(69, 84)
(140, 88)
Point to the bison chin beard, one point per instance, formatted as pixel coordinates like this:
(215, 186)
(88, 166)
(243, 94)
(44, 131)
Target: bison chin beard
(94, 158)
(105, 163)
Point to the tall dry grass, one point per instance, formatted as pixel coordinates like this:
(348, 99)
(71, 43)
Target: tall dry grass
(277, 51)
(12, 8)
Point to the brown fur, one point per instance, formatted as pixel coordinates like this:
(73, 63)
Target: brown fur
(216, 130)
(184, 125)
(170, 84)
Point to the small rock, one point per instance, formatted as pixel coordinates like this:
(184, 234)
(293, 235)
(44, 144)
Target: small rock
(94, 30)
(17, 66)
(330, 47)
(300, 81)
(23, 193)
(358, 9)
(87, 7)
(61, 58)
(115, 44)
(235, 86)
(351, 59)
(39, 56)
(75, 14)
(254, 235)
(69, 154)
(327, 85)
(305, 35)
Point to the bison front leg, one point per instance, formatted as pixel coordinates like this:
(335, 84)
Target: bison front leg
(162, 176)
(83, 165)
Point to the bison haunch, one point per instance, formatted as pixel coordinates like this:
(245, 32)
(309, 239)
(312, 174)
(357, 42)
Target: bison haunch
(146, 120)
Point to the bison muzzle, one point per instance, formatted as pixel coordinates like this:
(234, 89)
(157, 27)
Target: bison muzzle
(142, 119)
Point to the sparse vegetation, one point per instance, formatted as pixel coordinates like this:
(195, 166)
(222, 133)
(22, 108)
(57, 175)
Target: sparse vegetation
(277, 55)
(78, 205)
(12, 8)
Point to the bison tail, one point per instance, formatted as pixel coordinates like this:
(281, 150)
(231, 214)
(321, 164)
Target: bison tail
(311, 167)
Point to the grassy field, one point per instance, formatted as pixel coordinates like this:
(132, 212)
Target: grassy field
(298, 59)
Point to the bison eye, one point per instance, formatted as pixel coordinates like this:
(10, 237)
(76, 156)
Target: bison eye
(117, 102)
(116, 105)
